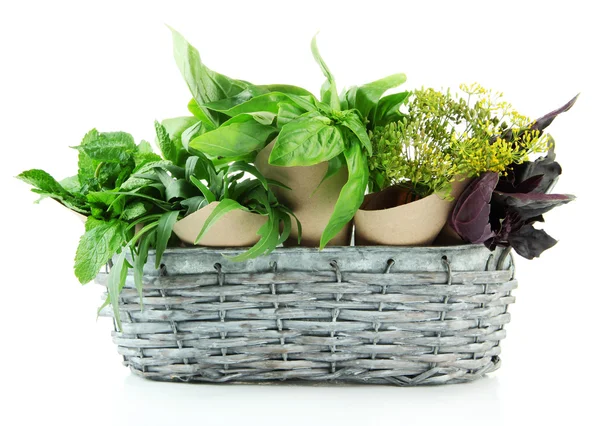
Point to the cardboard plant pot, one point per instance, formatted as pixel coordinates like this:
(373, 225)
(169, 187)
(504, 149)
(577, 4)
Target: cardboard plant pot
(385, 218)
(236, 228)
(313, 208)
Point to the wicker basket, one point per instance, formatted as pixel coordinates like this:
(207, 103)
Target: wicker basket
(384, 315)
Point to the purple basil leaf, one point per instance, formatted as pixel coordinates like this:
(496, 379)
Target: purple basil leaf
(530, 242)
(545, 166)
(471, 215)
(543, 122)
(529, 185)
(532, 204)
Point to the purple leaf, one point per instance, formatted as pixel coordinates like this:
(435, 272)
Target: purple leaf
(470, 217)
(545, 166)
(530, 242)
(532, 204)
(543, 122)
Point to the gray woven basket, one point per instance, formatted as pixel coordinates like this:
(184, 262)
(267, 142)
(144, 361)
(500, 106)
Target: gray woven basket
(384, 315)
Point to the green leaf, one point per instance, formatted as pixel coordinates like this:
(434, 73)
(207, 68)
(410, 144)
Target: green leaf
(388, 109)
(208, 195)
(194, 204)
(224, 207)
(367, 96)
(287, 113)
(116, 282)
(71, 184)
(329, 93)
(205, 84)
(167, 147)
(238, 136)
(133, 211)
(109, 147)
(269, 238)
(175, 128)
(354, 123)
(309, 140)
(201, 114)
(333, 167)
(249, 168)
(163, 233)
(287, 89)
(44, 181)
(97, 246)
(351, 195)
(140, 260)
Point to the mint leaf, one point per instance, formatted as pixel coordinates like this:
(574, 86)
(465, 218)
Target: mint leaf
(43, 181)
(97, 246)
(110, 147)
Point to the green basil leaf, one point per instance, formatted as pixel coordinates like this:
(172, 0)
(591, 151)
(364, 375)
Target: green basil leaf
(288, 112)
(224, 207)
(97, 246)
(201, 114)
(238, 136)
(287, 89)
(354, 123)
(351, 195)
(333, 167)
(163, 233)
(309, 140)
(367, 96)
(388, 109)
(205, 84)
(329, 93)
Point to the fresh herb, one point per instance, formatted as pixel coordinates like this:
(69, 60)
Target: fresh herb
(500, 210)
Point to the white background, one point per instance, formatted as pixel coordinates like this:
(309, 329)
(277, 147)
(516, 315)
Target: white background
(68, 67)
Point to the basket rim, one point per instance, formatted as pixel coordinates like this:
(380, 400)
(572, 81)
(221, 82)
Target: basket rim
(327, 250)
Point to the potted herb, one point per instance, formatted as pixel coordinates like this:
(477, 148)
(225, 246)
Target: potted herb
(501, 209)
(316, 148)
(422, 162)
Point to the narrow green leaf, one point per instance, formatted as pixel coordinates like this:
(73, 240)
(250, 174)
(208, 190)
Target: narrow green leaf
(116, 282)
(208, 194)
(333, 167)
(163, 233)
(269, 238)
(224, 207)
(351, 195)
(140, 260)
(328, 91)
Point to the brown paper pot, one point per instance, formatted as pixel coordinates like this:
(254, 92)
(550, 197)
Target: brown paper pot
(235, 229)
(381, 221)
(313, 210)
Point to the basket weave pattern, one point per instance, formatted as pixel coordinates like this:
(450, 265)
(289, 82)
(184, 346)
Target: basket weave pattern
(385, 315)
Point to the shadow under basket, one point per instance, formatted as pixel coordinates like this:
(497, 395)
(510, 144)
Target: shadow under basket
(371, 315)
